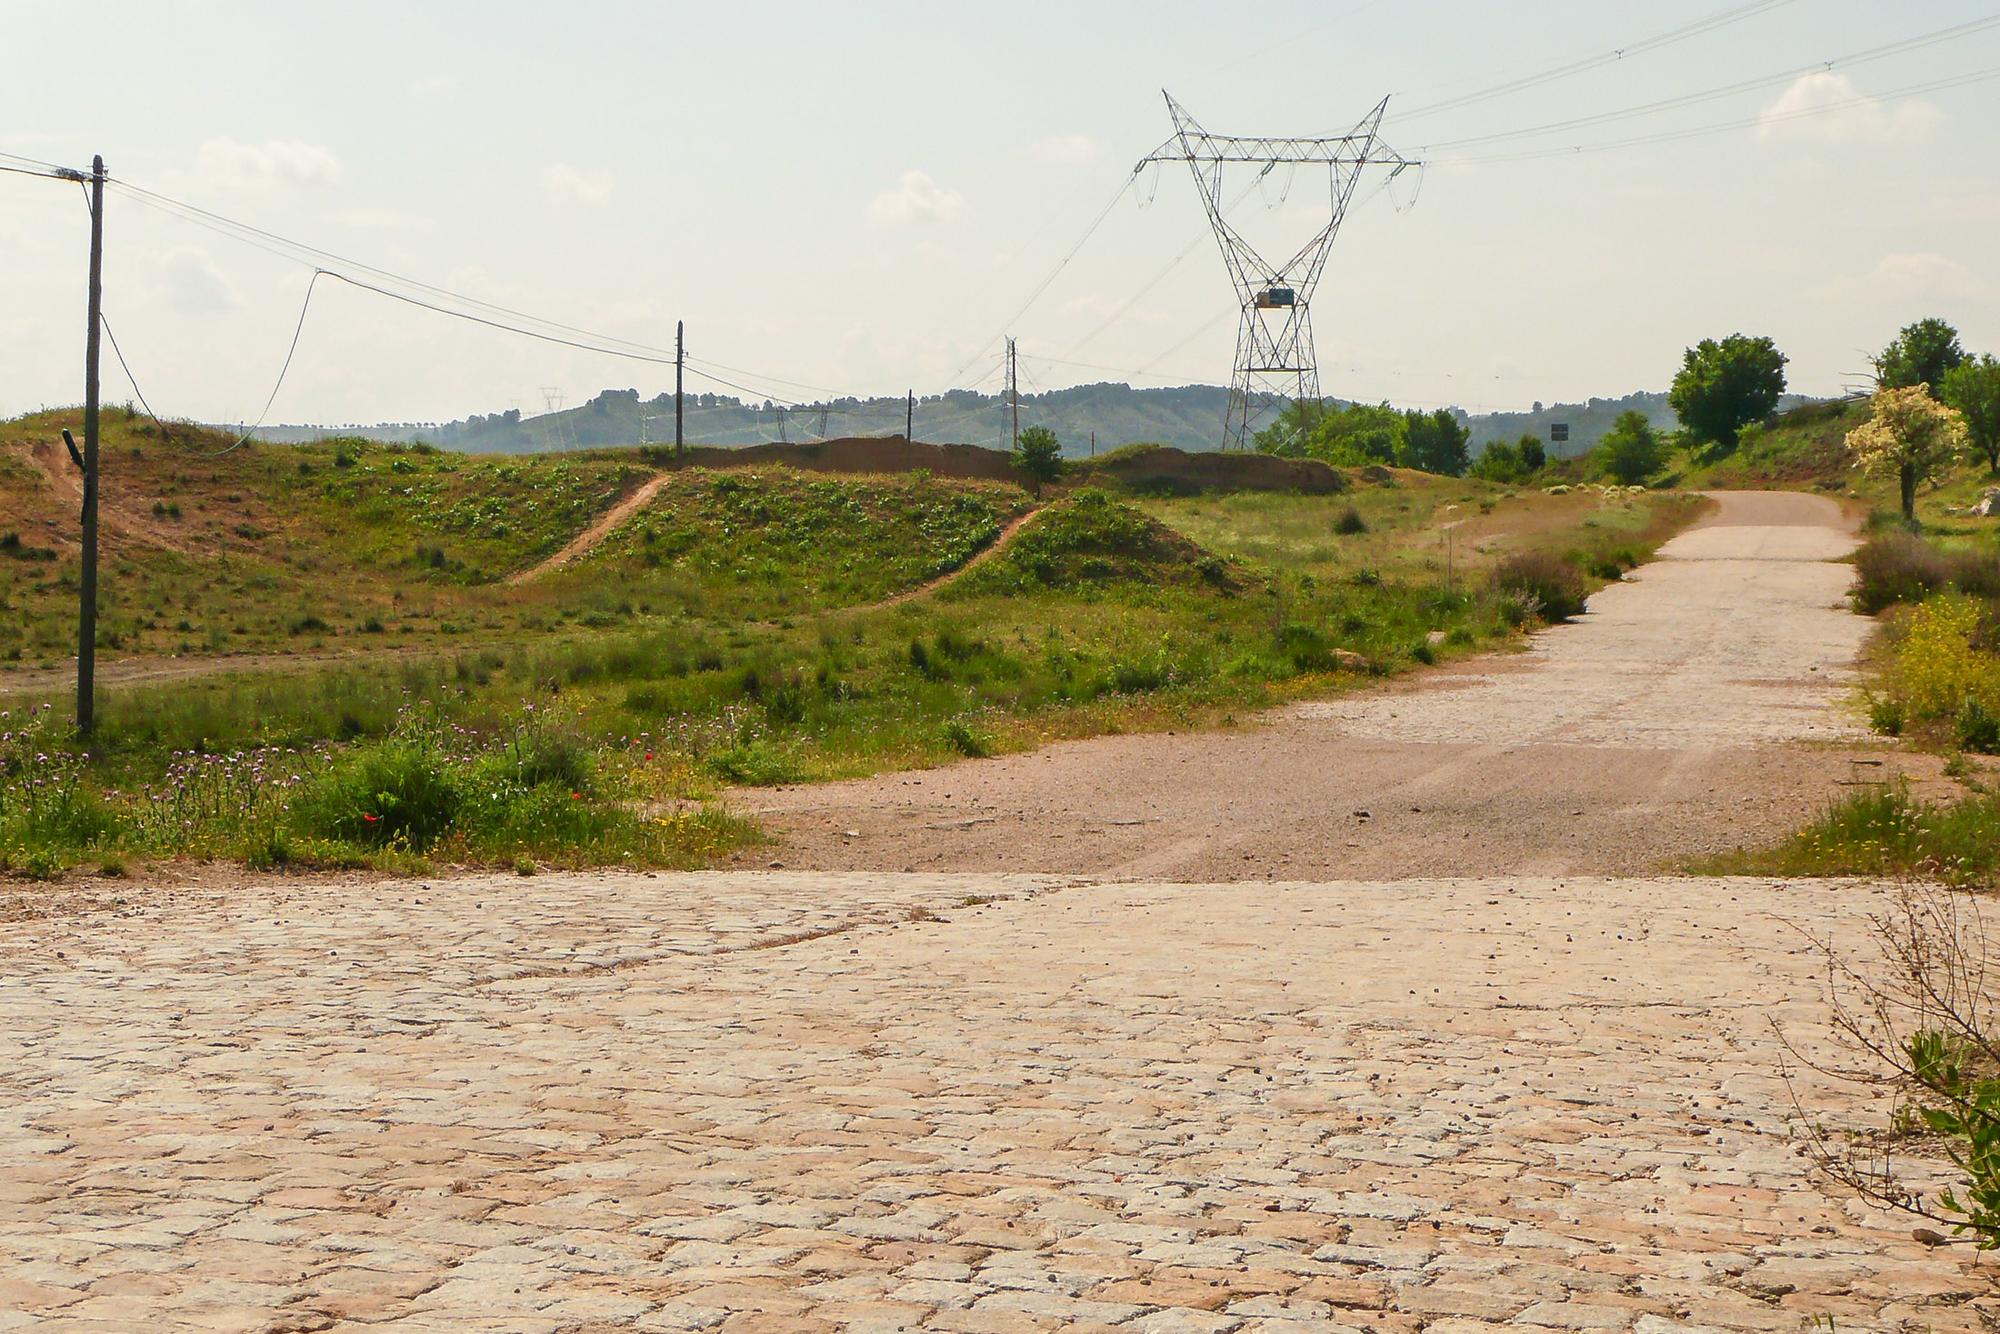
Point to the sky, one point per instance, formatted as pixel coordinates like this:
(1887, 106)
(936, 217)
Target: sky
(862, 198)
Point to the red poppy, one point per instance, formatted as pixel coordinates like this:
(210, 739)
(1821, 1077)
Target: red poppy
(576, 796)
(649, 754)
(371, 819)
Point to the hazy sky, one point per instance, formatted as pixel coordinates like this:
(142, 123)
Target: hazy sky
(857, 197)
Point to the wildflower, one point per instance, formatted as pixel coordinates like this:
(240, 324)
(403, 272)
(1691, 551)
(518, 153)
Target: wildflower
(576, 796)
(371, 819)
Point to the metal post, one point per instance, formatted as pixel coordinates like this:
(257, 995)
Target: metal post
(86, 634)
(680, 361)
(1014, 388)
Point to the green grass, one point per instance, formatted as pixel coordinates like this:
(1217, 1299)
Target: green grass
(1883, 832)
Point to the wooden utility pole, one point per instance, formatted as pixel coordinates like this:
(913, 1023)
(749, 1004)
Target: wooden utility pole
(910, 418)
(680, 361)
(1093, 444)
(86, 630)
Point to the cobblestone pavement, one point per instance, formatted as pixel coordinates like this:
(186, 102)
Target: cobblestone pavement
(815, 1102)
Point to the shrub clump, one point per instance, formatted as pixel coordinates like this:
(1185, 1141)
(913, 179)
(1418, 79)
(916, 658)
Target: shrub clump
(1898, 566)
(1542, 584)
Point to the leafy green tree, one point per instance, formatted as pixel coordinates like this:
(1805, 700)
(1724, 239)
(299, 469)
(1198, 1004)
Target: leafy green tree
(1038, 457)
(1511, 463)
(1631, 451)
(1912, 437)
(1500, 461)
(1974, 389)
(1435, 442)
(1724, 385)
(1343, 434)
(1288, 433)
(1923, 353)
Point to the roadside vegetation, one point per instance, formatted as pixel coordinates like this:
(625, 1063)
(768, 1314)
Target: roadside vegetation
(755, 627)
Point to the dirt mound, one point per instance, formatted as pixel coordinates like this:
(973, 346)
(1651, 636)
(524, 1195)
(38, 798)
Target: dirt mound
(856, 454)
(1163, 469)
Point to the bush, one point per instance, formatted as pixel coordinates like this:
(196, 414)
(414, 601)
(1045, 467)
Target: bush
(1897, 567)
(1547, 585)
(1978, 728)
(1936, 669)
(967, 742)
(399, 792)
(1350, 523)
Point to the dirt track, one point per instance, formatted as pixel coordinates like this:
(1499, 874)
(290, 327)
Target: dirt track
(1697, 706)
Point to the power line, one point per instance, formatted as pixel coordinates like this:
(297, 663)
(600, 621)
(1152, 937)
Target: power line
(123, 365)
(499, 317)
(1723, 127)
(1698, 28)
(1053, 274)
(301, 252)
(1865, 56)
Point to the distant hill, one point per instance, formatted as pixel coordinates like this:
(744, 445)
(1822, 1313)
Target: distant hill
(1187, 416)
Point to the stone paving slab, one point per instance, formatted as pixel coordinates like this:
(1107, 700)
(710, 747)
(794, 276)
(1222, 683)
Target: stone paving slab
(969, 1103)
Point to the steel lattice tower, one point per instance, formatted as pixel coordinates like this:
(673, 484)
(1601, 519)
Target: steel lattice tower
(1274, 344)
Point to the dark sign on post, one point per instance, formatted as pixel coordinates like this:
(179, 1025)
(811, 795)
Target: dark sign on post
(1558, 433)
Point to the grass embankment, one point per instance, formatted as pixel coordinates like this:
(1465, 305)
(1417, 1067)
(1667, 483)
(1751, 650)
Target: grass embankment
(1935, 681)
(361, 547)
(756, 650)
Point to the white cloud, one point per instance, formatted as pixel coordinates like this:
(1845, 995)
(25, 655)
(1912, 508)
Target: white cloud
(1068, 149)
(192, 285)
(1828, 108)
(239, 166)
(566, 182)
(1924, 273)
(917, 200)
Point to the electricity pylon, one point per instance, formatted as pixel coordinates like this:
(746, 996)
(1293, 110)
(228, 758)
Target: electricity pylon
(1275, 362)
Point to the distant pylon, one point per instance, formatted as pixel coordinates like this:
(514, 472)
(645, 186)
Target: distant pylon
(1275, 361)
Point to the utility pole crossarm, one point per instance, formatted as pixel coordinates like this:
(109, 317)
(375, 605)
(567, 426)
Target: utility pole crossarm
(1360, 147)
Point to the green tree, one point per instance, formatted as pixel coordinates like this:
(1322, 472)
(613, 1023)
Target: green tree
(1724, 385)
(1911, 437)
(1500, 461)
(1288, 433)
(1038, 457)
(1435, 442)
(1344, 434)
(1923, 353)
(1512, 463)
(1973, 388)
(1631, 451)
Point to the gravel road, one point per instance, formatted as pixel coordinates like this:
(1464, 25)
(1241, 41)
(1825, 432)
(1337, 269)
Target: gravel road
(1700, 704)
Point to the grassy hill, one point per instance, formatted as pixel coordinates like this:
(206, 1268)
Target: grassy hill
(361, 545)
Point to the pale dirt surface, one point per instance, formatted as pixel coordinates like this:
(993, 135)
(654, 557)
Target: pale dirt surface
(871, 1102)
(1702, 704)
(819, 1101)
(600, 528)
